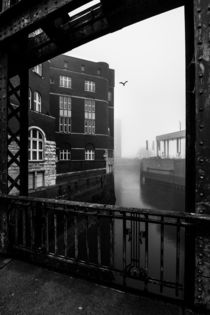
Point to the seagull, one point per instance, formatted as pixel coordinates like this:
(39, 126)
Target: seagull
(123, 83)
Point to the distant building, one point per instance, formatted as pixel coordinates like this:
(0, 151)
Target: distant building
(82, 102)
(171, 145)
(118, 139)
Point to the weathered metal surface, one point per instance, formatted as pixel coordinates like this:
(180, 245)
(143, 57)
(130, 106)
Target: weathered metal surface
(202, 143)
(202, 92)
(3, 121)
(62, 33)
(79, 234)
(26, 16)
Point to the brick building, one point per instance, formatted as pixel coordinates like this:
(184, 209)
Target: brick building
(71, 109)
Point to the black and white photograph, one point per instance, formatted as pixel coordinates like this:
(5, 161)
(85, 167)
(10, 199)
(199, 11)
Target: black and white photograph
(104, 157)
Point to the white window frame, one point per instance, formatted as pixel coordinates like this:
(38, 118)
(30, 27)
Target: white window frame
(29, 98)
(64, 106)
(65, 124)
(90, 86)
(89, 155)
(65, 81)
(89, 113)
(37, 102)
(64, 155)
(36, 145)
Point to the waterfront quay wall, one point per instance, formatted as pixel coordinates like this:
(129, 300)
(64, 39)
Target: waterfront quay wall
(164, 171)
(90, 186)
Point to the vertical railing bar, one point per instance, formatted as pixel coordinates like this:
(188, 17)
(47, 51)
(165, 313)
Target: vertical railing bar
(98, 240)
(162, 254)
(24, 226)
(177, 256)
(139, 240)
(32, 227)
(124, 249)
(86, 238)
(16, 225)
(76, 251)
(65, 234)
(55, 233)
(136, 238)
(146, 249)
(132, 237)
(47, 231)
(111, 240)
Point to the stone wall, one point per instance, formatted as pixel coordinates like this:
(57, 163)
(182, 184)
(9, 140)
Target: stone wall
(48, 165)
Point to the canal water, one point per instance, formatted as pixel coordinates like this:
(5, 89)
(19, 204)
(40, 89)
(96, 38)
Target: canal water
(129, 193)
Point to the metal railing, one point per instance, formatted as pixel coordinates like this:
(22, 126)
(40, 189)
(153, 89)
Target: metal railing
(135, 249)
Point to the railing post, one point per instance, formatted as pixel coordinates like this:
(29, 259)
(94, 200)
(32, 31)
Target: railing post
(189, 267)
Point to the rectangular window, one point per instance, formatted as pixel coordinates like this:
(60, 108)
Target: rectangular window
(90, 86)
(65, 124)
(65, 106)
(65, 82)
(89, 127)
(64, 155)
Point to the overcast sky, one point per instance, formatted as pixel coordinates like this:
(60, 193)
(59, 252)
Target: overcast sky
(151, 56)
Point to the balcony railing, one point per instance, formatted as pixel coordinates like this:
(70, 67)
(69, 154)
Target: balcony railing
(141, 250)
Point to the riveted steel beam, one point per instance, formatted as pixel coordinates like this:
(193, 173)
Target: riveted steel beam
(26, 16)
(3, 121)
(202, 96)
(60, 33)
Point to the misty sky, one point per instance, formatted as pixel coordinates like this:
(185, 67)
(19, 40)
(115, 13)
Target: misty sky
(151, 56)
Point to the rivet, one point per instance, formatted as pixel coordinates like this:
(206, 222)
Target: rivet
(200, 58)
(201, 177)
(198, 10)
(201, 142)
(199, 280)
(201, 255)
(200, 75)
(201, 126)
(208, 8)
(201, 194)
(200, 91)
(201, 108)
(200, 289)
(199, 25)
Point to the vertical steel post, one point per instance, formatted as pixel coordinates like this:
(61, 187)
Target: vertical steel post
(3, 149)
(197, 138)
(24, 82)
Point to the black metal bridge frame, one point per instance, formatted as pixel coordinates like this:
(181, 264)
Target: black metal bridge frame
(34, 31)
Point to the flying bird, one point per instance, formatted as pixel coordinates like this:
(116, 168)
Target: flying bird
(123, 83)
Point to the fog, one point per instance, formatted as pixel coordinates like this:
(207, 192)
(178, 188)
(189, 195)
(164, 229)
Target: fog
(150, 55)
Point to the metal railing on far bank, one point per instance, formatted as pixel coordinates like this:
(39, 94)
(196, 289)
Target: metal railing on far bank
(148, 251)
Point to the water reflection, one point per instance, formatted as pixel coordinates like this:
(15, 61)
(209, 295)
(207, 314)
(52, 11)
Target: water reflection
(130, 193)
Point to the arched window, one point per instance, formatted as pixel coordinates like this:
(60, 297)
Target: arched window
(37, 102)
(29, 98)
(36, 145)
(89, 153)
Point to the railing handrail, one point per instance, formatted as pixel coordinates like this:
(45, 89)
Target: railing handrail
(113, 208)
